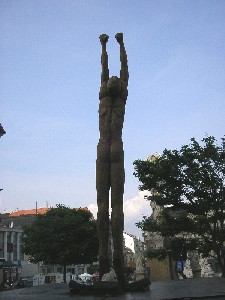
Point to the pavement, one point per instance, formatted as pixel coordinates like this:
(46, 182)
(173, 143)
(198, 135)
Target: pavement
(194, 289)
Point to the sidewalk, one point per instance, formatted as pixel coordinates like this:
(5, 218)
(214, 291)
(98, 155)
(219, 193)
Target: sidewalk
(201, 288)
(188, 289)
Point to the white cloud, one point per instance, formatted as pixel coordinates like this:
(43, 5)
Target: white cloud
(137, 206)
(133, 208)
(93, 209)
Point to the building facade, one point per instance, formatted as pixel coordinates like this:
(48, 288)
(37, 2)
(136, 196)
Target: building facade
(11, 247)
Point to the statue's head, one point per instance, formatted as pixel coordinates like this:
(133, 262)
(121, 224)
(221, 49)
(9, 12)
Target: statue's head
(114, 86)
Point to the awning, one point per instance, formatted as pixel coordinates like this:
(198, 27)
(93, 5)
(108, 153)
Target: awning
(8, 265)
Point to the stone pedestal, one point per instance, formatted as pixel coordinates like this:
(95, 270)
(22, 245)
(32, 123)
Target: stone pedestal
(196, 273)
(139, 276)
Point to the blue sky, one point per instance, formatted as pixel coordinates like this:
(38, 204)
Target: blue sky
(50, 78)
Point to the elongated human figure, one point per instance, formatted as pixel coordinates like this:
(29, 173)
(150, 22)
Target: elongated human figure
(110, 160)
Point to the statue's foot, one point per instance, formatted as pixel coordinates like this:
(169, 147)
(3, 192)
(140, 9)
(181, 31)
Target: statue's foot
(119, 37)
(104, 38)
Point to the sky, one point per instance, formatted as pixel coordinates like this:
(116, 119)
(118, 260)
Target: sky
(50, 65)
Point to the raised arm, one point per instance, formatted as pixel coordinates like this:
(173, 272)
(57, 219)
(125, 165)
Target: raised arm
(104, 58)
(124, 75)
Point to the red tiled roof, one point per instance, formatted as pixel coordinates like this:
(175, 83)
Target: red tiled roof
(40, 211)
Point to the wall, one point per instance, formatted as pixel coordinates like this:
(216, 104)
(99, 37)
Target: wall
(159, 270)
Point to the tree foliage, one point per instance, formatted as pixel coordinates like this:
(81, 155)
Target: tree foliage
(190, 186)
(62, 236)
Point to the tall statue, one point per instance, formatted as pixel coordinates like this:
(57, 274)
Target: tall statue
(110, 160)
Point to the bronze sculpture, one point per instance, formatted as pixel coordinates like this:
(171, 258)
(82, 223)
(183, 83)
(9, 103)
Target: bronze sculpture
(110, 160)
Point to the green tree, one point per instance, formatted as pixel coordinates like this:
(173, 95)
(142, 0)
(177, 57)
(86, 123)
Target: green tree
(62, 236)
(189, 184)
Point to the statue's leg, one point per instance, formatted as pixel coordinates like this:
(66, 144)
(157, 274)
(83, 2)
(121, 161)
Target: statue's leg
(102, 186)
(117, 190)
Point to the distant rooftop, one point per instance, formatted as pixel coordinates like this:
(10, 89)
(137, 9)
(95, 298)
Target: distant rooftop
(39, 211)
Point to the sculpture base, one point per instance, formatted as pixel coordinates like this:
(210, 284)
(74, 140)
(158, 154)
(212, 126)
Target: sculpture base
(142, 285)
(139, 276)
(111, 288)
